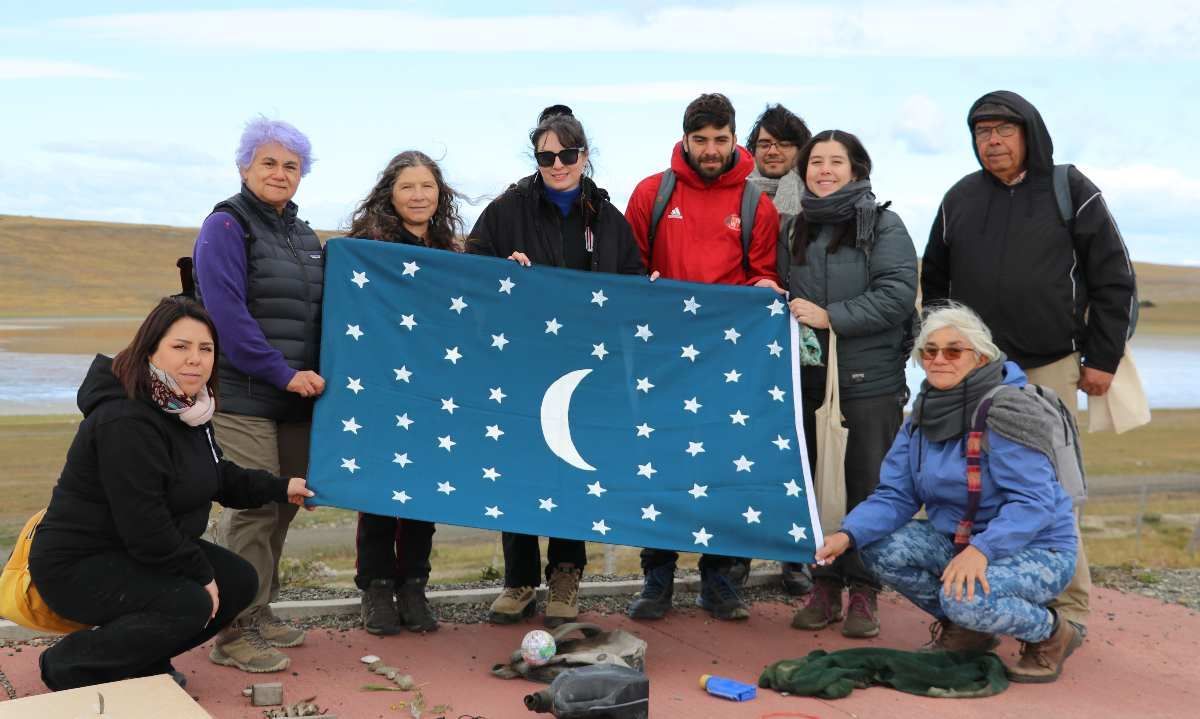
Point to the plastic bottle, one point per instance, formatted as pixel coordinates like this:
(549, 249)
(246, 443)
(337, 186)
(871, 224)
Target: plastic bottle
(728, 688)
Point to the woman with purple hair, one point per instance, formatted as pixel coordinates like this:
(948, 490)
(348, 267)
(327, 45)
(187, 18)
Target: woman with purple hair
(259, 271)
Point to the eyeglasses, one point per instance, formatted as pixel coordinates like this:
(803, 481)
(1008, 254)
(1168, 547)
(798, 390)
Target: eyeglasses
(569, 156)
(930, 352)
(766, 145)
(1006, 129)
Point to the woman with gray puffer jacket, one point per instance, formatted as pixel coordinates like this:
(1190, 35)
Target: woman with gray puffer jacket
(850, 266)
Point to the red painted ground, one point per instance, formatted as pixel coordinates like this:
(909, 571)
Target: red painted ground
(1140, 660)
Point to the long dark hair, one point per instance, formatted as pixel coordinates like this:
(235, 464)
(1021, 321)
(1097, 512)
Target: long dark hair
(560, 120)
(131, 365)
(376, 218)
(860, 168)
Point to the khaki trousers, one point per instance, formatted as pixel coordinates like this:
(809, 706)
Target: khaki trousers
(257, 535)
(1063, 377)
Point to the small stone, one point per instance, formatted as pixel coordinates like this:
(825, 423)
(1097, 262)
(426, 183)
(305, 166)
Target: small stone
(369, 659)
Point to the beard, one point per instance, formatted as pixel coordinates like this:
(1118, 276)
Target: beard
(710, 174)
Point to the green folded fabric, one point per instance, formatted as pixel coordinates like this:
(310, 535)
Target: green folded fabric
(833, 675)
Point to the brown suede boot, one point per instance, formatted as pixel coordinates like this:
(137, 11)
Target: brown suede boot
(562, 602)
(945, 635)
(824, 606)
(862, 613)
(1042, 662)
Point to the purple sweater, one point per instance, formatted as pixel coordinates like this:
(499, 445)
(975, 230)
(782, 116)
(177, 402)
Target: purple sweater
(220, 260)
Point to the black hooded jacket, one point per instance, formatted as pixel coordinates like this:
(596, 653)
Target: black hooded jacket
(141, 481)
(524, 220)
(1045, 289)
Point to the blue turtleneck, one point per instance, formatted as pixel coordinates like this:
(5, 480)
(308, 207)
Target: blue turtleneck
(563, 199)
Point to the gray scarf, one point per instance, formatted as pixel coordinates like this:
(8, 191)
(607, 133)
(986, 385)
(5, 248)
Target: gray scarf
(854, 201)
(944, 414)
(783, 191)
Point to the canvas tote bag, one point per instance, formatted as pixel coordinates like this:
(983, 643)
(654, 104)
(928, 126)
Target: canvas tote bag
(831, 448)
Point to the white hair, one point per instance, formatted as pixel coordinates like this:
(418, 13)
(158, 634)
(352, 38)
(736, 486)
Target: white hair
(962, 318)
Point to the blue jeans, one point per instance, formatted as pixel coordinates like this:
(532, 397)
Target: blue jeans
(912, 560)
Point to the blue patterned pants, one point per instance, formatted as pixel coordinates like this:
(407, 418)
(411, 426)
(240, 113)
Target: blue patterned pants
(912, 559)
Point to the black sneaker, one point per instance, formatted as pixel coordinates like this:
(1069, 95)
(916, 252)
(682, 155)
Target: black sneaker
(657, 590)
(797, 578)
(719, 596)
(379, 615)
(413, 607)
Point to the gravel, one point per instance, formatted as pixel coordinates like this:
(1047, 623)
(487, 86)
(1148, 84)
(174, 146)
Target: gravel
(1172, 586)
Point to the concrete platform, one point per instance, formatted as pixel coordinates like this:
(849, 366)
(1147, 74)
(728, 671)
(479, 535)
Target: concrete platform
(1139, 660)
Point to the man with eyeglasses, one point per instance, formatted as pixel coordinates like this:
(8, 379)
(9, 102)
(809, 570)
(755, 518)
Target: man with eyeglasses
(1034, 250)
(776, 139)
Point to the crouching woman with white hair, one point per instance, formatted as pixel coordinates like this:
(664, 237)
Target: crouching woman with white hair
(999, 543)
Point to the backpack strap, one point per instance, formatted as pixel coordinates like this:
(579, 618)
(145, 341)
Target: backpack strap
(748, 211)
(666, 187)
(962, 533)
(1062, 194)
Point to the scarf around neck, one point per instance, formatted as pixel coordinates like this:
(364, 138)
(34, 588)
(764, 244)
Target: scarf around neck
(854, 201)
(944, 414)
(166, 393)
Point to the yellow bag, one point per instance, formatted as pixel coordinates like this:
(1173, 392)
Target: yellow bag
(19, 599)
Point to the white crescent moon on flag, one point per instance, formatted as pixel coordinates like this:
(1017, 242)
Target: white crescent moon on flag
(556, 428)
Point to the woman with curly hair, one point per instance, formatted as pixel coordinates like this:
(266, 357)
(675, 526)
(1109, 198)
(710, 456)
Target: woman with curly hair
(410, 204)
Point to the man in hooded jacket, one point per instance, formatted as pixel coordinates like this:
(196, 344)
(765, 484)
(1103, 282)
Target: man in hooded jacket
(1058, 293)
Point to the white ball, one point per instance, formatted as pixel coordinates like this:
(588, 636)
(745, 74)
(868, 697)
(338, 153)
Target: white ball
(537, 648)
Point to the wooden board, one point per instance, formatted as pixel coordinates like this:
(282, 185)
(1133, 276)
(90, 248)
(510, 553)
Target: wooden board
(145, 698)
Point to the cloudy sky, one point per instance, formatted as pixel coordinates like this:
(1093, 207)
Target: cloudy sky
(130, 111)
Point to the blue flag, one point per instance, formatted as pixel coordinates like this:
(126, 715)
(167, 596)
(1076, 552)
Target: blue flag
(473, 391)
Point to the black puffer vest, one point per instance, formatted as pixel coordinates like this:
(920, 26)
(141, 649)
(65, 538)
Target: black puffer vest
(285, 267)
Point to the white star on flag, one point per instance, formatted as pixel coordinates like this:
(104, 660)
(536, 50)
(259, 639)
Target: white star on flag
(732, 335)
(547, 504)
(401, 496)
(498, 341)
(732, 376)
(553, 326)
(743, 464)
(445, 488)
(643, 385)
(643, 333)
(403, 374)
(601, 527)
(408, 322)
(647, 470)
(491, 473)
(493, 512)
(694, 448)
(360, 279)
(797, 532)
(457, 304)
(691, 305)
(781, 442)
(596, 489)
(692, 405)
(775, 349)
(446, 443)
(793, 489)
(449, 406)
(690, 352)
(349, 425)
(402, 420)
(702, 537)
(410, 269)
(599, 351)
(650, 513)
(644, 430)
(506, 285)
(354, 385)
(354, 331)
(751, 516)
(350, 464)
(776, 307)
(776, 393)
(598, 298)
(453, 355)
(698, 490)
(401, 459)
(493, 432)
(497, 394)
(739, 418)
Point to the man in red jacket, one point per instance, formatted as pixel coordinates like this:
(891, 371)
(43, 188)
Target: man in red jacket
(699, 238)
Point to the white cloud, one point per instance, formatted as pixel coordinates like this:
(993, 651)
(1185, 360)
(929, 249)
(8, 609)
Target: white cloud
(934, 28)
(644, 92)
(156, 153)
(1146, 181)
(33, 69)
(921, 125)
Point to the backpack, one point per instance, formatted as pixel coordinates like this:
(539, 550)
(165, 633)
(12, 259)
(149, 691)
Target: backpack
(596, 646)
(187, 276)
(749, 208)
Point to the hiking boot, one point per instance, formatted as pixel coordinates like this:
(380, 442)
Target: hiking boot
(513, 604)
(562, 602)
(1042, 662)
(657, 590)
(412, 606)
(379, 615)
(738, 573)
(797, 578)
(245, 648)
(276, 632)
(719, 596)
(862, 613)
(945, 635)
(824, 606)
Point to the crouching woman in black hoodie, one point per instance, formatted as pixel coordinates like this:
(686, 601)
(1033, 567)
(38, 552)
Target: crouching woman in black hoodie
(119, 547)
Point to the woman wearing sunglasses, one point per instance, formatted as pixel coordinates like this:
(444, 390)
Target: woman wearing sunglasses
(851, 269)
(996, 571)
(557, 216)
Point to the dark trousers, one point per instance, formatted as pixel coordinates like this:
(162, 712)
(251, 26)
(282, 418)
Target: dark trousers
(143, 616)
(873, 423)
(654, 558)
(392, 548)
(523, 557)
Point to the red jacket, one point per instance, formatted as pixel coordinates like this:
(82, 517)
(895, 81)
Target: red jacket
(699, 237)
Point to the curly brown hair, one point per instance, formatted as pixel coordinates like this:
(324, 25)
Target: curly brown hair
(375, 218)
